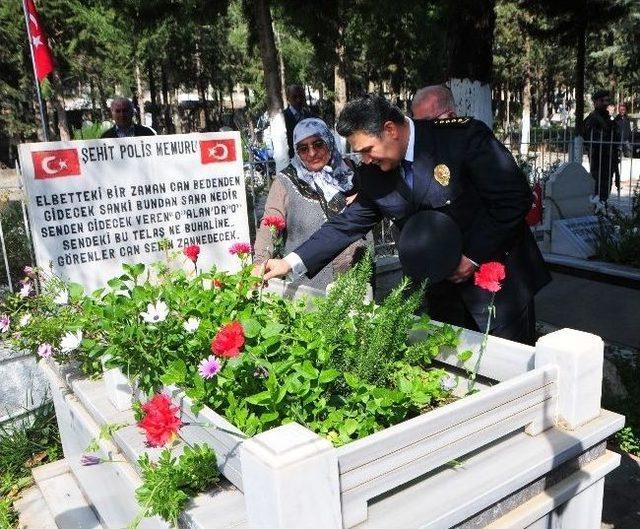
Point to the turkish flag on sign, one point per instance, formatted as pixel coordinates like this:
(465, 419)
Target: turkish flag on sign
(42, 56)
(535, 213)
(55, 164)
(214, 151)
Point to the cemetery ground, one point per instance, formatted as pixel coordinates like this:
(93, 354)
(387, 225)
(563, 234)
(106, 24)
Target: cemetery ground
(583, 303)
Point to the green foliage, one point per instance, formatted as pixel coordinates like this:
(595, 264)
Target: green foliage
(618, 237)
(629, 440)
(169, 482)
(23, 447)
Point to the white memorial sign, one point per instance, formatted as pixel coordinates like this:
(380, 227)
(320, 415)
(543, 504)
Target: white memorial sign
(576, 237)
(96, 204)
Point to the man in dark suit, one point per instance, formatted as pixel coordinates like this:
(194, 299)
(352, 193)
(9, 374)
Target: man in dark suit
(458, 167)
(295, 112)
(122, 114)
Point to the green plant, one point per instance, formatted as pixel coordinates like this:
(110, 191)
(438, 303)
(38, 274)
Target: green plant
(629, 440)
(169, 482)
(23, 447)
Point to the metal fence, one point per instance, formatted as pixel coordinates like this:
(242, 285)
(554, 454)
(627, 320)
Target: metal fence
(613, 162)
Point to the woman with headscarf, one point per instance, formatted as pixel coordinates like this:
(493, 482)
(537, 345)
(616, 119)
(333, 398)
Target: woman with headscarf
(317, 185)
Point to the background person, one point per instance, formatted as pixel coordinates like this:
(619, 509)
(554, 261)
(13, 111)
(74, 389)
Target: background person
(295, 112)
(433, 102)
(314, 188)
(122, 114)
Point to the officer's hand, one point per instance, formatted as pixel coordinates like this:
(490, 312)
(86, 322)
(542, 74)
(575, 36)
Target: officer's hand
(465, 270)
(275, 268)
(257, 270)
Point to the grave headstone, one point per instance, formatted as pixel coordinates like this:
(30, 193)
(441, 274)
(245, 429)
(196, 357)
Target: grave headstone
(96, 204)
(568, 193)
(575, 237)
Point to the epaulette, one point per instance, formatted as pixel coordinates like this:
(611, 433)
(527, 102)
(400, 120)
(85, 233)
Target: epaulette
(457, 122)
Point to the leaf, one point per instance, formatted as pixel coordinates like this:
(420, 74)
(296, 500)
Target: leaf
(271, 329)
(259, 398)
(328, 375)
(251, 327)
(76, 291)
(352, 380)
(463, 356)
(307, 370)
(175, 373)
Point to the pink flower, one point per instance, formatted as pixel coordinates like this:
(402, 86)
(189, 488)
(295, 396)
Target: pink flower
(29, 271)
(192, 252)
(45, 350)
(26, 289)
(5, 321)
(275, 222)
(209, 367)
(88, 460)
(489, 276)
(240, 248)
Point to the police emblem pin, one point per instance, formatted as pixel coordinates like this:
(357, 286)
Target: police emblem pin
(442, 174)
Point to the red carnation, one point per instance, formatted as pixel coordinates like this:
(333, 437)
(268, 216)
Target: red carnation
(240, 248)
(489, 276)
(275, 222)
(229, 340)
(161, 421)
(192, 252)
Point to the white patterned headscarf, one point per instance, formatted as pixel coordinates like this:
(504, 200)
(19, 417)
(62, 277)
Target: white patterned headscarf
(332, 178)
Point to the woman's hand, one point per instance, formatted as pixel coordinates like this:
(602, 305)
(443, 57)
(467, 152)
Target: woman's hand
(351, 199)
(275, 268)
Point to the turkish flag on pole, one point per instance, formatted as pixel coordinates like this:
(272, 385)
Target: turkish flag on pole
(40, 51)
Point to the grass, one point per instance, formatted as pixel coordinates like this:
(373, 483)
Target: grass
(21, 449)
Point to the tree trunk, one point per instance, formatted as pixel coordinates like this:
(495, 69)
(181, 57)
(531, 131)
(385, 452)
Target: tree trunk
(57, 100)
(138, 97)
(525, 127)
(168, 123)
(508, 110)
(273, 84)
(470, 56)
(153, 94)
(340, 74)
(580, 60)
(281, 71)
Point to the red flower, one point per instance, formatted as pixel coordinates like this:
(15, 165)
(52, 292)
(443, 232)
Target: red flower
(161, 422)
(275, 222)
(489, 276)
(229, 340)
(217, 283)
(240, 248)
(192, 252)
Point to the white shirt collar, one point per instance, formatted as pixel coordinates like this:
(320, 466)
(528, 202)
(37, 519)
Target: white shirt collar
(412, 140)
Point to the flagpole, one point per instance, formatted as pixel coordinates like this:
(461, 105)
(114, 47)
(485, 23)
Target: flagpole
(35, 73)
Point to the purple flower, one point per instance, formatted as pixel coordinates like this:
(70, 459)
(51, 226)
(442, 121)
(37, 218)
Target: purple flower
(209, 367)
(89, 460)
(5, 321)
(29, 271)
(45, 350)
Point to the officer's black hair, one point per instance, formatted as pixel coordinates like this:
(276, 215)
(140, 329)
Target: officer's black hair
(368, 114)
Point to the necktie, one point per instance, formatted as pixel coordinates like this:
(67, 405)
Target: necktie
(407, 168)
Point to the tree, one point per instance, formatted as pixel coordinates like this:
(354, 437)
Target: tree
(470, 56)
(573, 22)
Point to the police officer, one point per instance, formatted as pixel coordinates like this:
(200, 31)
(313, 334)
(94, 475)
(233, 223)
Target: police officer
(452, 165)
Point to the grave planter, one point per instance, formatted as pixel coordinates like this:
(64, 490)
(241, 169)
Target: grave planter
(537, 414)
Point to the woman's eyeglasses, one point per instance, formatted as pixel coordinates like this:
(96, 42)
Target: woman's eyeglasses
(303, 148)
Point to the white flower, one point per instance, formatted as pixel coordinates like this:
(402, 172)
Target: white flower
(26, 317)
(155, 312)
(192, 324)
(448, 383)
(70, 341)
(25, 290)
(62, 298)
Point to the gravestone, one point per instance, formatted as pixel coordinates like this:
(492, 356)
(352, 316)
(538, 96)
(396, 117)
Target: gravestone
(568, 193)
(576, 237)
(96, 204)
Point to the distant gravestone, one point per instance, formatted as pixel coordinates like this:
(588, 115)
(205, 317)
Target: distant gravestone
(568, 192)
(576, 237)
